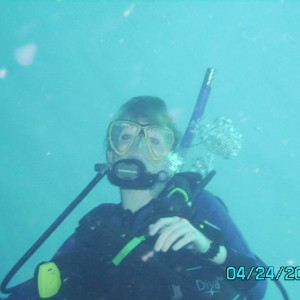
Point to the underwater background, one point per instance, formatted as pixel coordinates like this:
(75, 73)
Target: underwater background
(65, 68)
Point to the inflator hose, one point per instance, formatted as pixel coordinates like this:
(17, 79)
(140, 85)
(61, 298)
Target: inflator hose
(49, 231)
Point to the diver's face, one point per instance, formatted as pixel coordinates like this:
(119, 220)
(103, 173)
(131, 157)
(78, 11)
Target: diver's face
(144, 146)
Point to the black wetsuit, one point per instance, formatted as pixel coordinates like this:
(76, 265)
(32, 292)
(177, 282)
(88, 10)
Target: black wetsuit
(87, 271)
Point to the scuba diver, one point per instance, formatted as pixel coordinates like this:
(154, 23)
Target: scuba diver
(168, 238)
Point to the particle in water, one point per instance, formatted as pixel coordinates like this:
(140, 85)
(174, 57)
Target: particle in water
(3, 73)
(25, 55)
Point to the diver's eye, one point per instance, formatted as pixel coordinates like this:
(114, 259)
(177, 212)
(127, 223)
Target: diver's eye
(154, 141)
(127, 137)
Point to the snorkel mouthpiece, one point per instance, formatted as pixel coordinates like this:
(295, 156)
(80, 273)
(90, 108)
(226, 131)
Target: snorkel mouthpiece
(131, 174)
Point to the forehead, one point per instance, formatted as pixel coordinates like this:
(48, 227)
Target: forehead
(144, 117)
(141, 121)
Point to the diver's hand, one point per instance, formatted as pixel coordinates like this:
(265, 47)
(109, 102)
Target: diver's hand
(177, 233)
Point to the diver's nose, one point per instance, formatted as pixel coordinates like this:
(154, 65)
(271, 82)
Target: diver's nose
(140, 141)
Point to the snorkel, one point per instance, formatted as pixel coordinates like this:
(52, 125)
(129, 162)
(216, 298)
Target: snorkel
(198, 112)
(178, 159)
(203, 141)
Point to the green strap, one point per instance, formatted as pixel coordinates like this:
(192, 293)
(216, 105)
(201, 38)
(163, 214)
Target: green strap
(127, 249)
(182, 192)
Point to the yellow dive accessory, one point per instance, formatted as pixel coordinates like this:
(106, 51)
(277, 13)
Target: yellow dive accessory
(123, 134)
(48, 280)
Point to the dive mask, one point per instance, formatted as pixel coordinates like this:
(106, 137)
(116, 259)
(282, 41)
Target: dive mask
(123, 134)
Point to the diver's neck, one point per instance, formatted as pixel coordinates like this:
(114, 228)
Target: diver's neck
(136, 199)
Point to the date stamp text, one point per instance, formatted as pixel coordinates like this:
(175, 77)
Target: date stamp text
(262, 273)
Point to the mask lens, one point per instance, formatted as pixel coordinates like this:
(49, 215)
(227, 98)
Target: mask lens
(160, 140)
(122, 135)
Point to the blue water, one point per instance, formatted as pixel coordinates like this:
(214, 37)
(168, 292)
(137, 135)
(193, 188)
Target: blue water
(66, 66)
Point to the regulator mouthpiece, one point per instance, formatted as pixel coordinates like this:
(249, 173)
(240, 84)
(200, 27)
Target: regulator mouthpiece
(132, 174)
